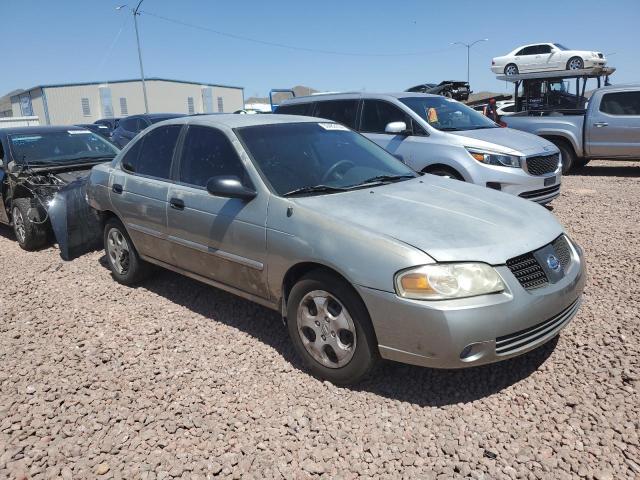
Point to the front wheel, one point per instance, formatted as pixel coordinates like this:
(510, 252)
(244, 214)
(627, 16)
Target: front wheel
(330, 328)
(30, 235)
(575, 63)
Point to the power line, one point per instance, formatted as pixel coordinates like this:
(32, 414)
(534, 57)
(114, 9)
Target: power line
(291, 47)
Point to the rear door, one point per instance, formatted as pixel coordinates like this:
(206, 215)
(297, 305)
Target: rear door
(341, 111)
(222, 239)
(140, 190)
(376, 115)
(613, 125)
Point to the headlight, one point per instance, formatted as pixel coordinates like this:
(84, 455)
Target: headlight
(448, 280)
(491, 158)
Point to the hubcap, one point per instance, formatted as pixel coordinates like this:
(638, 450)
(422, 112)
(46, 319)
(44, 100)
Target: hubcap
(512, 70)
(326, 329)
(18, 225)
(118, 251)
(575, 64)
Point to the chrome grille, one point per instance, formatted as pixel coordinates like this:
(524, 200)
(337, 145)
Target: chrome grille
(541, 165)
(563, 251)
(528, 271)
(529, 336)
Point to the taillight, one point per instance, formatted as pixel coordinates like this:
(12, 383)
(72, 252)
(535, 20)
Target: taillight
(493, 62)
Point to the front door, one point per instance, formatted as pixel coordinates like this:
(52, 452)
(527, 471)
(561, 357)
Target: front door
(140, 189)
(376, 115)
(613, 128)
(222, 239)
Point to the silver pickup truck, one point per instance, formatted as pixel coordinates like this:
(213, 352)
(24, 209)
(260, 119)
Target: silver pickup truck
(609, 129)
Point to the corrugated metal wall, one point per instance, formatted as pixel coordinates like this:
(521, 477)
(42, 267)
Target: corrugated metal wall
(65, 103)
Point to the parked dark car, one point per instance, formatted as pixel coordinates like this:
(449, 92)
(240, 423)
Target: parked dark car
(129, 127)
(449, 88)
(36, 164)
(110, 123)
(101, 130)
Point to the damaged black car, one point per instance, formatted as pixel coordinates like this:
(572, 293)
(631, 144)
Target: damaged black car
(455, 89)
(42, 180)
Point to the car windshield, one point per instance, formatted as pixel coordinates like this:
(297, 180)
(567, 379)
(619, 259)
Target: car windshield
(60, 147)
(312, 158)
(446, 114)
(561, 47)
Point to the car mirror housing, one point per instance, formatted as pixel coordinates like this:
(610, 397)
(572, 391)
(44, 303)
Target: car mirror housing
(399, 128)
(229, 186)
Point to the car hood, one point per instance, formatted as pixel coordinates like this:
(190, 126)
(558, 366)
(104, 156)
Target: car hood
(510, 141)
(447, 219)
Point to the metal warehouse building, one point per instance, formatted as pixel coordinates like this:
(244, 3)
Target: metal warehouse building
(71, 103)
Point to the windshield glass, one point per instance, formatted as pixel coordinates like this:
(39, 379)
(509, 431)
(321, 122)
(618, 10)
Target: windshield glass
(446, 114)
(294, 156)
(55, 147)
(561, 47)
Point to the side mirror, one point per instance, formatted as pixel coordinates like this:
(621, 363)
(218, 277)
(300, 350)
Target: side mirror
(229, 186)
(398, 128)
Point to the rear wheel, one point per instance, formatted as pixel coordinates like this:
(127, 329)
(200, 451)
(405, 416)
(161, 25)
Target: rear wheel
(511, 69)
(124, 262)
(575, 63)
(30, 235)
(330, 328)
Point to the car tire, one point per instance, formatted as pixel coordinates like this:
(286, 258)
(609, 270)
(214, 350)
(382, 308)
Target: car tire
(582, 162)
(442, 171)
(575, 63)
(511, 69)
(330, 328)
(568, 156)
(124, 262)
(30, 235)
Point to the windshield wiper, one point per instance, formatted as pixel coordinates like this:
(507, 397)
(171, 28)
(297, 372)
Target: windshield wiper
(449, 129)
(314, 189)
(380, 179)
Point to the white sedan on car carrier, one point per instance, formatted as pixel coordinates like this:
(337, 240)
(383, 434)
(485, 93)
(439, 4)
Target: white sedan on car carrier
(545, 56)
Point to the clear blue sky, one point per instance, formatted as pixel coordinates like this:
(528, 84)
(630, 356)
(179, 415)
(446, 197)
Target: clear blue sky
(46, 41)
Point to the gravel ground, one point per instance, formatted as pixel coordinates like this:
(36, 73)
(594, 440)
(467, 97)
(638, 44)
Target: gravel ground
(175, 379)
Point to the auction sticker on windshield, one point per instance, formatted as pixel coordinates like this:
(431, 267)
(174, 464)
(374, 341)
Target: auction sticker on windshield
(334, 126)
(77, 132)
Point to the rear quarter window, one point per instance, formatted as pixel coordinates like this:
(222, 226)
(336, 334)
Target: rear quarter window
(295, 109)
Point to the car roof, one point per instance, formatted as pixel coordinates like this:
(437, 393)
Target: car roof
(234, 120)
(39, 129)
(354, 95)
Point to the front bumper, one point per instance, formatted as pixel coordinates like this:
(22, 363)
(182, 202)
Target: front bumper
(478, 330)
(516, 181)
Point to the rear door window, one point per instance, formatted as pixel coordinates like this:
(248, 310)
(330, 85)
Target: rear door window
(129, 124)
(341, 111)
(295, 109)
(621, 103)
(376, 114)
(156, 152)
(207, 153)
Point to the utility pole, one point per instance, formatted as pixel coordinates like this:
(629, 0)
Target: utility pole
(135, 23)
(469, 45)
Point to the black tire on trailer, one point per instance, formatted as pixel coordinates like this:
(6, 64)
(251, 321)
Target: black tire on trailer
(124, 262)
(30, 235)
(575, 63)
(511, 69)
(330, 328)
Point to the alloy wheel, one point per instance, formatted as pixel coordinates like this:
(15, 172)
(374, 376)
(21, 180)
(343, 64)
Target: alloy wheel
(575, 64)
(118, 251)
(326, 329)
(18, 225)
(511, 70)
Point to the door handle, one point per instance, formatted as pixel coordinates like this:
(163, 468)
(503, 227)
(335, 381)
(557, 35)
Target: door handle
(177, 203)
(116, 188)
(601, 124)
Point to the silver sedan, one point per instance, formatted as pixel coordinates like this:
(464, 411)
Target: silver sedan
(364, 258)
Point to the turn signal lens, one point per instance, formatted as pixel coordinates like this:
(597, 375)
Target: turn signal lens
(415, 282)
